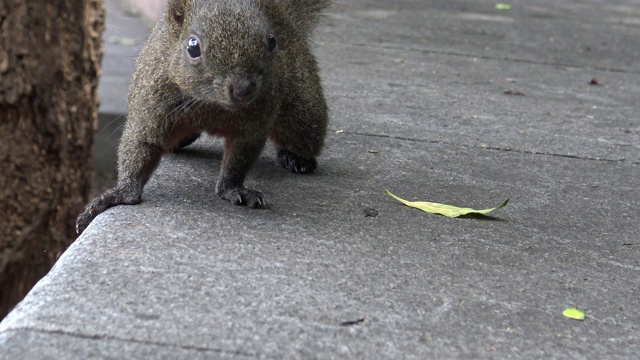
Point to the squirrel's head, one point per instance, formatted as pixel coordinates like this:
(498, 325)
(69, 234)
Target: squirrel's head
(222, 50)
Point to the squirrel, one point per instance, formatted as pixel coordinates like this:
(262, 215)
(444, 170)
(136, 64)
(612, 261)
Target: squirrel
(239, 69)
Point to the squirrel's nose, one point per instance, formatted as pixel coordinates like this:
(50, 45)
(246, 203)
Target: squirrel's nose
(242, 91)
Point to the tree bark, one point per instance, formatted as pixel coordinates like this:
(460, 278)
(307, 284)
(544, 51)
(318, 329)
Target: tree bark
(50, 53)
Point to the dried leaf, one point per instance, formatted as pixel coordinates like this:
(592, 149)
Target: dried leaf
(443, 209)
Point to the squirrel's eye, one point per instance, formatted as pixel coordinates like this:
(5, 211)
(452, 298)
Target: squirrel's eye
(193, 48)
(272, 43)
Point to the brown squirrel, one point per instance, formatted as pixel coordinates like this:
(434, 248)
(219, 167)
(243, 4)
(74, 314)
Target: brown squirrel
(240, 69)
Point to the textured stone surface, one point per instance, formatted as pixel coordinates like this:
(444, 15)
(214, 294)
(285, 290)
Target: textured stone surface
(419, 92)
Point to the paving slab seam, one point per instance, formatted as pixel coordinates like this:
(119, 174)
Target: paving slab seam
(134, 341)
(486, 57)
(492, 148)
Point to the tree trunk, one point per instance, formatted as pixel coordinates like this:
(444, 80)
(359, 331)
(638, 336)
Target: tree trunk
(50, 54)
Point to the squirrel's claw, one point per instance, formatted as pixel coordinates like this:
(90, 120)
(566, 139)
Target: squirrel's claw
(295, 163)
(244, 197)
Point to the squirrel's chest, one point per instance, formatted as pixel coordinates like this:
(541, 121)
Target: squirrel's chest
(222, 122)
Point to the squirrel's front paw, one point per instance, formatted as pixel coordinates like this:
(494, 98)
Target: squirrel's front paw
(295, 163)
(112, 197)
(93, 209)
(245, 197)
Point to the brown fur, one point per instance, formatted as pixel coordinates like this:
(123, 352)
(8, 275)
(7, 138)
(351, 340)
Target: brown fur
(245, 86)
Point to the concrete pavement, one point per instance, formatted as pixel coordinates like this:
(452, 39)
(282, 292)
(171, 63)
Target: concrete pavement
(446, 101)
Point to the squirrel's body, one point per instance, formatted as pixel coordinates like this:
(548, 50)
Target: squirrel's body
(240, 69)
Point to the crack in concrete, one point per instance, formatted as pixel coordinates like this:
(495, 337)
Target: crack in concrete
(493, 148)
(486, 57)
(136, 341)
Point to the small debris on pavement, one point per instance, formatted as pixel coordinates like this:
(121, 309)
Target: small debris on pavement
(372, 151)
(594, 82)
(516, 93)
(352, 322)
(370, 212)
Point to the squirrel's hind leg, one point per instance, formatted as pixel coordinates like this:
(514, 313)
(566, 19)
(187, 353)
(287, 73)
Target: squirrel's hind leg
(295, 163)
(301, 124)
(299, 134)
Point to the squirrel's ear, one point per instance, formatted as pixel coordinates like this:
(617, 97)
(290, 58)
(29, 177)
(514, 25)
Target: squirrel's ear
(175, 11)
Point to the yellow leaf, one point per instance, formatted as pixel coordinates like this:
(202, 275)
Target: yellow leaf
(501, 6)
(443, 209)
(573, 313)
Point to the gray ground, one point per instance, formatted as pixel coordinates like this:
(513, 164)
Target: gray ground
(418, 89)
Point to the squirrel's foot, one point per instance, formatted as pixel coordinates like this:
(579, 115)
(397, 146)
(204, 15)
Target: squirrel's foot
(244, 197)
(295, 163)
(111, 197)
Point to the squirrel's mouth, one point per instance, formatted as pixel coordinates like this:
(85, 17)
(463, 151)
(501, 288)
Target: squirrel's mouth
(235, 105)
(235, 96)
(241, 91)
